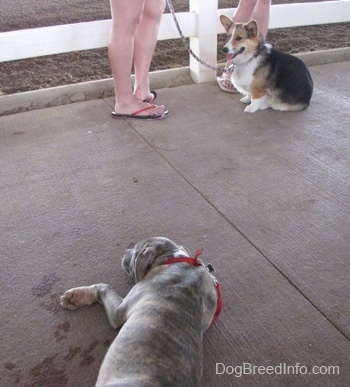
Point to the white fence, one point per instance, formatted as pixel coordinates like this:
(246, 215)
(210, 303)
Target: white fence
(201, 25)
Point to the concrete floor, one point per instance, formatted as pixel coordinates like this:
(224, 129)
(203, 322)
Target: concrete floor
(266, 195)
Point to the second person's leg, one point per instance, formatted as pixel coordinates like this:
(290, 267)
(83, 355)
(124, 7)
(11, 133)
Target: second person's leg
(126, 17)
(144, 44)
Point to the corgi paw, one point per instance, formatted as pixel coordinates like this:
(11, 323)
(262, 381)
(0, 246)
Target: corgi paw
(246, 99)
(251, 108)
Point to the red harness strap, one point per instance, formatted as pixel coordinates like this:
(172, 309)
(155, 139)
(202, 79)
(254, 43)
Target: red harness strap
(218, 302)
(197, 262)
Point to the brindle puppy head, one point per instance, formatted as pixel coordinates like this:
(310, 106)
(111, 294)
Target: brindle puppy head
(145, 255)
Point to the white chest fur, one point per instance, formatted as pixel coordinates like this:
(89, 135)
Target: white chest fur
(242, 75)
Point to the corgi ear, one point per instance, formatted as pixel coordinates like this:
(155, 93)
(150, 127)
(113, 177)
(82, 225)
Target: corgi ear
(226, 22)
(252, 28)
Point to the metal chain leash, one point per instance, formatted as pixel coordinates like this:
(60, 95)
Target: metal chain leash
(185, 41)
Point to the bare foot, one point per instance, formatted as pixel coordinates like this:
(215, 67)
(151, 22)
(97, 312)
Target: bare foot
(137, 105)
(145, 95)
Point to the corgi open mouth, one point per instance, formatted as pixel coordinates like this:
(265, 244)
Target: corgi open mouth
(235, 53)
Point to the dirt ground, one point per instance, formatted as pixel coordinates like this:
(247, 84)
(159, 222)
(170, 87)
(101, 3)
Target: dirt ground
(62, 69)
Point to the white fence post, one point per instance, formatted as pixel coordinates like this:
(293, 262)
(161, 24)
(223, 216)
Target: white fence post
(204, 44)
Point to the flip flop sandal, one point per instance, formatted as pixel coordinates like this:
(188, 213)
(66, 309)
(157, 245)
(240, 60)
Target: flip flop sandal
(152, 97)
(136, 115)
(226, 76)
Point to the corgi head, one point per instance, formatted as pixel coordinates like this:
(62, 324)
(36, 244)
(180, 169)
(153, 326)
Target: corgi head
(243, 37)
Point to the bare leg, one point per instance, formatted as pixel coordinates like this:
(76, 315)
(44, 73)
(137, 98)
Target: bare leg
(262, 16)
(244, 11)
(87, 295)
(126, 17)
(145, 42)
(259, 10)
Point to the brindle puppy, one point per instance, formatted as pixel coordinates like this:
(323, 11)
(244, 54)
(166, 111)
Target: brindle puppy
(161, 320)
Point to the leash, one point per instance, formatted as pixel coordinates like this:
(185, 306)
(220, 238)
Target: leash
(197, 262)
(186, 44)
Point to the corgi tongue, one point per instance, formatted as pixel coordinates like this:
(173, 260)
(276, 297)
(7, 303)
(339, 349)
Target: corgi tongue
(234, 54)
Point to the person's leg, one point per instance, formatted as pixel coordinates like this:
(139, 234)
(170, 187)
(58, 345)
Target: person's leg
(258, 10)
(244, 11)
(261, 14)
(126, 16)
(145, 42)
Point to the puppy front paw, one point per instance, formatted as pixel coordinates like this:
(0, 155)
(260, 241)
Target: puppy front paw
(78, 297)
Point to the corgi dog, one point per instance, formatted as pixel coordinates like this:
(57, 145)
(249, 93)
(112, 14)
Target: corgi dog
(267, 78)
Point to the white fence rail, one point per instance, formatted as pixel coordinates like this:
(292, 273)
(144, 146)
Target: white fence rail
(201, 25)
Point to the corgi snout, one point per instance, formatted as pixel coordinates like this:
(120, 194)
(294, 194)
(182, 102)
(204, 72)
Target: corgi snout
(227, 49)
(230, 52)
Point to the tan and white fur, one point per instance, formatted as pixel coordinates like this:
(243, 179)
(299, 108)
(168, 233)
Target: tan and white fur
(267, 78)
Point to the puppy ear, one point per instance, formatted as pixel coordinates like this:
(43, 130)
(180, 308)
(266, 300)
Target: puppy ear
(226, 22)
(252, 29)
(144, 261)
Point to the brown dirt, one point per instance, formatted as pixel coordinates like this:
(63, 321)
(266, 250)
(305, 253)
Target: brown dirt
(62, 69)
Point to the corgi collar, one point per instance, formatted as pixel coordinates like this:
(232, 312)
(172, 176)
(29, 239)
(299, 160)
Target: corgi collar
(197, 262)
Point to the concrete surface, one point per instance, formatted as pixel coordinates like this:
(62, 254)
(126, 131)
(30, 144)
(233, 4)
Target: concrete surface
(266, 195)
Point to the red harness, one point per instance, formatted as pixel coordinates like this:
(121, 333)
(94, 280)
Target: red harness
(197, 262)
